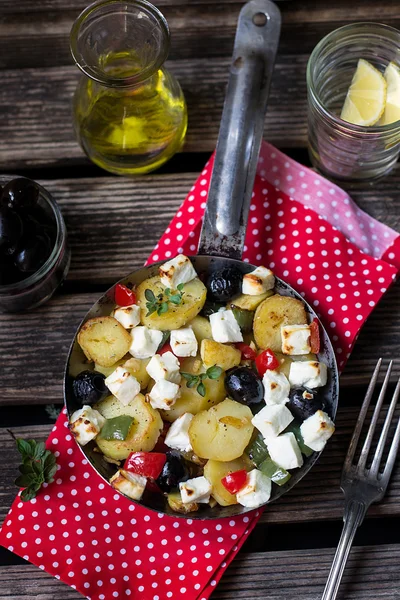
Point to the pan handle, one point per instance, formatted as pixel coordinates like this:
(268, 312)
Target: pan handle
(240, 134)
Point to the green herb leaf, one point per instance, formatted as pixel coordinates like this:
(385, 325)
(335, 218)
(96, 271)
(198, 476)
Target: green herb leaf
(39, 466)
(214, 372)
(24, 448)
(150, 308)
(149, 295)
(167, 291)
(176, 299)
(201, 389)
(163, 308)
(180, 287)
(193, 382)
(28, 494)
(25, 480)
(188, 376)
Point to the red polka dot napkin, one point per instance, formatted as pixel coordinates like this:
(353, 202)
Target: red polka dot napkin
(78, 529)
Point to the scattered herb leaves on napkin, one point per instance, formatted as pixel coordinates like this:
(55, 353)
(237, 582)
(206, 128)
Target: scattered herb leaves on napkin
(197, 380)
(38, 467)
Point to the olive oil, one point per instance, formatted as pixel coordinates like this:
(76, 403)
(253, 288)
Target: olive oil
(130, 129)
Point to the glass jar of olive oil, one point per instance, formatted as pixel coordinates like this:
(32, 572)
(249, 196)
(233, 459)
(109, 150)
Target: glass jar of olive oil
(129, 111)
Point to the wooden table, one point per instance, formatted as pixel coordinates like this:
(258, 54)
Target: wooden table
(113, 225)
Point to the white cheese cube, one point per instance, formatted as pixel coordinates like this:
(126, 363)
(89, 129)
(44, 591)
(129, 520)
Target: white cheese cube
(257, 490)
(311, 374)
(128, 316)
(145, 342)
(183, 342)
(85, 424)
(224, 327)
(178, 434)
(123, 385)
(296, 339)
(285, 451)
(163, 394)
(258, 281)
(273, 419)
(316, 430)
(177, 270)
(165, 366)
(276, 387)
(130, 484)
(195, 490)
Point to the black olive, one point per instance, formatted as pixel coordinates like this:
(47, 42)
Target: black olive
(174, 471)
(89, 387)
(8, 272)
(303, 403)
(10, 228)
(20, 193)
(32, 254)
(225, 284)
(244, 385)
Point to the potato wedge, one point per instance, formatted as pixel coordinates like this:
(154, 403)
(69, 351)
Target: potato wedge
(104, 340)
(215, 470)
(213, 353)
(191, 401)
(143, 434)
(248, 302)
(137, 368)
(222, 432)
(108, 370)
(201, 328)
(285, 362)
(175, 502)
(271, 315)
(178, 314)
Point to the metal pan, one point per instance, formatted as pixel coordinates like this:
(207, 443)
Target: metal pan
(224, 227)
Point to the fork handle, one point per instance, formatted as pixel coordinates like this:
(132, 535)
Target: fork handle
(353, 517)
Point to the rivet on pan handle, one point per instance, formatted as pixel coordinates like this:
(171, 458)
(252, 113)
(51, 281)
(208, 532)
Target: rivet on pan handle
(241, 130)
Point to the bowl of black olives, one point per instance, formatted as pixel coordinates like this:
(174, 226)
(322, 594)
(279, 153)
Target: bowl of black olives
(34, 256)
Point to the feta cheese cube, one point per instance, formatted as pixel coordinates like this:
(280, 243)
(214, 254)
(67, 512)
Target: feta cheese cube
(276, 387)
(183, 342)
(258, 281)
(224, 327)
(128, 316)
(165, 366)
(285, 451)
(177, 270)
(85, 424)
(164, 394)
(123, 385)
(130, 484)
(316, 430)
(311, 374)
(257, 490)
(273, 419)
(296, 339)
(178, 434)
(145, 342)
(195, 490)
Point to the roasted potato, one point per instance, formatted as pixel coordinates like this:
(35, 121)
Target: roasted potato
(108, 370)
(222, 432)
(215, 470)
(137, 368)
(285, 362)
(143, 434)
(271, 315)
(248, 302)
(104, 340)
(177, 315)
(201, 328)
(175, 502)
(213, 353)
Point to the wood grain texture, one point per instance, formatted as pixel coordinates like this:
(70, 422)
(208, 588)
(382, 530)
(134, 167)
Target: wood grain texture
(316, 498)
(371, 573)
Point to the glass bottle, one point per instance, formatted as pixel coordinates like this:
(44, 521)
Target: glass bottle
(129, 111)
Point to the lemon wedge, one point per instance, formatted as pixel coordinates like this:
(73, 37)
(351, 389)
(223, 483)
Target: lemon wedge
(392, 109)
(366, 98)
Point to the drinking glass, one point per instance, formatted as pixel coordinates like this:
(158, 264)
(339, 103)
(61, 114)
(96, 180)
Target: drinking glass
(343, 151)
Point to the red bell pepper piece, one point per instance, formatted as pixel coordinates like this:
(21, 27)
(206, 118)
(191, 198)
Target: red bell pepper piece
(315, 341)
(124, 296)
(234, 482)
(148, 464)
(165, 348)
(247, 352)
(266, 361)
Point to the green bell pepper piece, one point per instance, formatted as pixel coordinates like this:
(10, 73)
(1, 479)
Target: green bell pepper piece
(276, 473)
(294, 427)
(257, 451)
(244, 318)
(164, 339)
(116, 428)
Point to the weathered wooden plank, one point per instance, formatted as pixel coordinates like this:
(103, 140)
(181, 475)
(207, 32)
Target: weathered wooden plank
(371, 572)
(316, 498)
(38, 130)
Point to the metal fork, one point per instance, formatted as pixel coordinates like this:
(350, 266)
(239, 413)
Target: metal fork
(362, 486)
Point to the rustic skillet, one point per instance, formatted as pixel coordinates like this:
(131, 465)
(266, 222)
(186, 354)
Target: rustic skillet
(224, 227)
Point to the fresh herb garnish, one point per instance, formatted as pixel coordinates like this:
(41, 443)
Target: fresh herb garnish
(38, 467)
(197, 380)
(160, 302)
